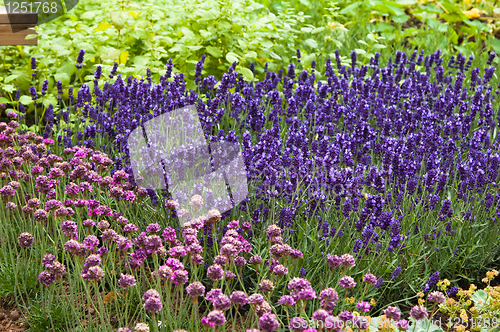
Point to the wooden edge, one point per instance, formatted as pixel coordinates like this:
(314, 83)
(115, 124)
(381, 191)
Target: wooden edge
(18, 18)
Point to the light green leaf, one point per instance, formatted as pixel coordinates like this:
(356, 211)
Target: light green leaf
(311, 43)
(9, 88)
(359, 51)
(25, 100)
(378, 46)
(4, 100)
(112, 54)
(362, 42)
(11, 78)
(214, 51)
(119, 18)
(251, 54)
(274, 55)
(232, 57)
(63, 77)
(317, 30)
(247, 74)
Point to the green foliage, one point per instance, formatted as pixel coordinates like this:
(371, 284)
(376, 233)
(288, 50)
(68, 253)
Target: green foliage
(145, 35)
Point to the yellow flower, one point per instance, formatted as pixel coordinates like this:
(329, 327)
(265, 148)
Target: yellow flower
(491, 274)
(373, 302)
(420, 294)
(463, 315)
(473, 13)
(472, 287)
(460, 328)
(334, 25)
(421, 301)
(485, 280)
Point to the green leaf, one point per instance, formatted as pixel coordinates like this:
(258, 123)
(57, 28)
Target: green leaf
(232, 57)
(317, 30)
(274, 55)
(9, 88)
(378, 46)
(10, 78)
(119, 18)
(63, 77)
(4, 100)
(214, 51)
(247, 74)
(251, 54)
(400, 18)
(360, 51)
(181, 48)
(112, 54)
(362, 42)
(479, 295)
(495, 43)
(311, 43)
(25, 100)
(102, 26)
(451, 7)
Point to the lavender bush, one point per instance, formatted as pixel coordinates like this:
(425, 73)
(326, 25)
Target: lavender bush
(396, 163)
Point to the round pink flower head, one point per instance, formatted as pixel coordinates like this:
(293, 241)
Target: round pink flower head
(256, 299)
(179, 277)
(298, 324)
(333, 261)
(25, 240)
(153, 228)
(347, 282)
(150, 293)
(153, 304)
(329, 295)
(195, 289)
(347, 260)
(94, 273)
(233, 224)
(273, 231)
(363, 306)
(196, 202)
(392, 313)
(419, 312)
(255, 259)
(286, 301)
(403, 325)
(320, 315)
(216, 317)
(436, 297)
(370, 279)
(215, 272)
(268, 322)
(266, 286)
(46, 278)
(126, 280)
(239, 297)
